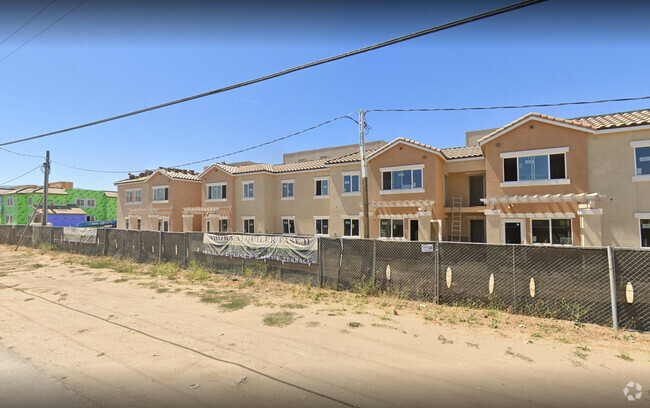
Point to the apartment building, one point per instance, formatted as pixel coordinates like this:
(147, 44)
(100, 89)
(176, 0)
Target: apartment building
(154, 200)
(538, 180)
(582, 181)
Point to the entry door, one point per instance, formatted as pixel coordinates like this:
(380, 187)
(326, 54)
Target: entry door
(477, 230)
(413, 230)
(476, 190)
(514, 231)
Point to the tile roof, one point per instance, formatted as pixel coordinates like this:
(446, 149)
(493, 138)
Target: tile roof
(273, 168)
(462, 152)
(621, 119)
(110, 194)
(171, 173)
(349, 158)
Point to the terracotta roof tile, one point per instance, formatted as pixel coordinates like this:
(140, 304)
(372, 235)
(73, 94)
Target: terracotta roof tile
(462, 152)
(621, 119)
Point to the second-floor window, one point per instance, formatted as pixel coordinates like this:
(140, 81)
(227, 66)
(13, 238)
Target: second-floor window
(160, 193)
(86, 202)
(401, 179)
(216, 192)
(322, 187)
(287, 188)
(9, 201)
(350, 183)
(642, 160)
(134, 196)
(534, 167)
(29, 200)
(248, 190)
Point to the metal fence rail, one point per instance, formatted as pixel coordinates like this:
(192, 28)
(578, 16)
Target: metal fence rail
(562, 282)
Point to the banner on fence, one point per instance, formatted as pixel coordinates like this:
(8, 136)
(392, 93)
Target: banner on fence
(278, 248)
(83, 235)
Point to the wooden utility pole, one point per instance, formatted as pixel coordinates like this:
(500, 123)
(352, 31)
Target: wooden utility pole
(46, 182)
(364, 173)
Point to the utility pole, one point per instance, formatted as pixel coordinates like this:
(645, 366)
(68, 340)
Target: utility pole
(46, 182)
(364, 173)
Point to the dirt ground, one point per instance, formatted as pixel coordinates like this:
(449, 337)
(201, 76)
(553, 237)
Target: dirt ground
(93, 332)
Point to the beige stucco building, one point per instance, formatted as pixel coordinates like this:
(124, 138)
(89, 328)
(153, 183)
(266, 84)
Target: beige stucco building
(538, 180)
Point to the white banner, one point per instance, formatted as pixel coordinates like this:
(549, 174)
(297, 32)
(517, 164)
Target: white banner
(276, 247)
(83, 235)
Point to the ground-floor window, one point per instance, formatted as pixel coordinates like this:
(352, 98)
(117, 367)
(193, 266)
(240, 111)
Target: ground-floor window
(163, 225)
(554, 231)
(351, 227)
(391, 228)
(207, 225)
(288, 226)
(9, 219)
(126, 223)
(223, 225)
(90, 218)
(645, 233)
(249, 225)
(322, 226)
(139, 224)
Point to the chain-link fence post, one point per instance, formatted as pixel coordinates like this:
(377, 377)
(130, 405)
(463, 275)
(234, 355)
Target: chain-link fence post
(436, 261)
(184, 249)
(338, 273)
(612, 287)
(514, 279)
(320, 263)
(160, 246)
(374, 259)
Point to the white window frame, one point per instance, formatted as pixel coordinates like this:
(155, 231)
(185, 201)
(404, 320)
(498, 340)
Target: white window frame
(289, 218)
(321, 218)
(91, 218)
(293, 189)
(89, 201)
(243, 223)
(127, 223)
(550, 229)
(153, 193)
(391, 237)
(400, 168)
(350, 174)
(134, 191)
(220, 225)
(244, 183)
(9, 219)
(161, 224)
(635, 144)
(209, 187)
(321, 179)
(537, 152)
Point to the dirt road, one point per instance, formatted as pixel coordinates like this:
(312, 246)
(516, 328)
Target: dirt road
(87, 335)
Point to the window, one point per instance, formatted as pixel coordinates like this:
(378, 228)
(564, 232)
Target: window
(402, 178)
(287, 189)
(216, 192)
(645, 233)
(249, 190)
(322, 226)
(207, 225)
(642, 160)
(9, 219)
(163, 225)
(350, 227)
(532, 167)
(249, 225)
(134, 196)
(223, 225)
(86, 202)
(160, 194)
(350, 183)
(391, 228)
(126, 223)
(288, 225)
(554, 231)
(90, 218)
(91, 203)
(322, 187)
(29, 201)
(9, 201)
(139, 224)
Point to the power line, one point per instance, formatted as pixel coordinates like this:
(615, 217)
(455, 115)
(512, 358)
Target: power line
(21, 154)
(22, 175)
(42, 31)
(97, 171)
(27, 22)
(538, 105)
(294, 69)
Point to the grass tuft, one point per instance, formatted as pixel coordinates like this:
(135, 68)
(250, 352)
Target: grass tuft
(279, 319)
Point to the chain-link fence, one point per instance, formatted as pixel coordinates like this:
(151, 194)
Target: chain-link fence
(546, 281)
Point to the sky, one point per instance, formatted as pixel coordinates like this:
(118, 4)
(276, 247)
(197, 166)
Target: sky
(111, 57)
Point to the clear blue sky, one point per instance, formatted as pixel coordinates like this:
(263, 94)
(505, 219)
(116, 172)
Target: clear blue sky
(110, 57)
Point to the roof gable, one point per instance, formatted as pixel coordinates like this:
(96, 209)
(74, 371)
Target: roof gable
(571, 124)
(406, 142)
